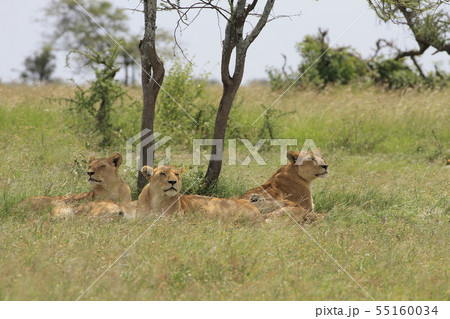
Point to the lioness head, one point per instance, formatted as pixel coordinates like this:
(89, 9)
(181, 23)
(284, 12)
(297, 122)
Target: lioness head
(310, 164)
(103, 171)
(163, 180)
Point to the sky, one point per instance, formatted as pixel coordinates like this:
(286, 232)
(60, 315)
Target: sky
(350, 23)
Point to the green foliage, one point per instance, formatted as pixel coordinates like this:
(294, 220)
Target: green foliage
(131, 55)
(280, 79)
(182, 105)
(322, 65)
(75, 31)
(434, 28)
(427, 20)
(95, 106)
(395, 74)
(271, 122)
(40, 66)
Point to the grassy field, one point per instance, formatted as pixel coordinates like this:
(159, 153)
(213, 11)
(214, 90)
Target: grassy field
(386, 205)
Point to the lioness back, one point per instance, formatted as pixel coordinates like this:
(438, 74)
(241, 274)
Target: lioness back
(162, 196)
(290, 185)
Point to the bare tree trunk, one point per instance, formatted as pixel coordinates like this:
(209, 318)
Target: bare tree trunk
(125, 64)
(133, 74)
(152, 79)
(234, 41)
(214, 167)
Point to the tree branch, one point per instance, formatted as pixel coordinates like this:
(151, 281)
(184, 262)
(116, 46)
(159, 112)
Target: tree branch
(261, 23)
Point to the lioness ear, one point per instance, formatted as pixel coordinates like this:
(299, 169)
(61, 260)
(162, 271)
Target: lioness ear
(116, 159)
(147, 171)
(91, 159)
(292, 156)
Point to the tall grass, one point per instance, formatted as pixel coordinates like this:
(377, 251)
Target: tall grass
(386, 206)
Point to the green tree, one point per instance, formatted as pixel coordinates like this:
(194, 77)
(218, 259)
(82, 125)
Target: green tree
(321, 64)
(394, 74)
(97, 102)
(85, 26)
(76, 24)
(190, 92)
(237, 14)
(40, 66)
(131, 56)
(427, 20)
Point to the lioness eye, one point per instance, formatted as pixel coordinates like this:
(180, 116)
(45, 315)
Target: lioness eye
(102, 166)
(162, 174)
(177, 174)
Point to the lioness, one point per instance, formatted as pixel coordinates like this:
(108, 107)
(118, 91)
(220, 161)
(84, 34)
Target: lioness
(290, 186)
(105, 208)
(102, 176)
(162, 195)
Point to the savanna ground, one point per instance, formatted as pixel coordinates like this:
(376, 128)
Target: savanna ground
(385, 200)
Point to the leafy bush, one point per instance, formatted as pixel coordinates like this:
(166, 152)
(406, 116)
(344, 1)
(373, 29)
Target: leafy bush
(96, 105)
(182, 104)
(321, 65)
(394, 74)
(108, 110)
(280, 79)
(439, 79)
(185, 99)
(40, 66)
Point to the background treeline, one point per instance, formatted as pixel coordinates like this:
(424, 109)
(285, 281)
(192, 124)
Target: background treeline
(322, 65)
(109, 113)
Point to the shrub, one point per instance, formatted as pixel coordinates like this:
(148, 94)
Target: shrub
(182, 105)
(321, 65)
(95, 105)
(394, 74)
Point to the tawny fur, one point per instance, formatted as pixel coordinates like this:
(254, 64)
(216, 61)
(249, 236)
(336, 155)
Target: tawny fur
(104, 179)
(288, 190)
(108, 209)
(162, 196)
